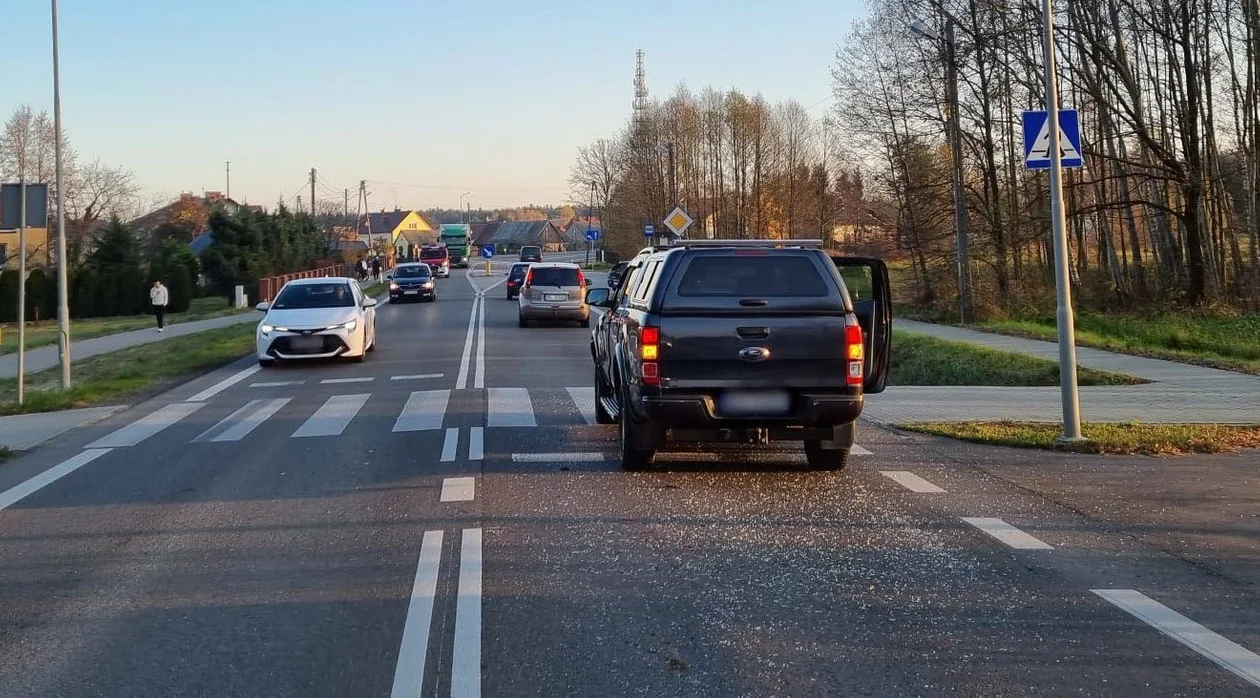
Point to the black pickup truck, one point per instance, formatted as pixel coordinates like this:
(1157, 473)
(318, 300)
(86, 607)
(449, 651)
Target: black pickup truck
(746, 341)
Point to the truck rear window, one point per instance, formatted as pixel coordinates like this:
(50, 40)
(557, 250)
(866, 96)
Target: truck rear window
(748, 277)
(554, 276)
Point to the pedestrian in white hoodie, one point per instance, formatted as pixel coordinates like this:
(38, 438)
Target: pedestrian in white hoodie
(159, 297)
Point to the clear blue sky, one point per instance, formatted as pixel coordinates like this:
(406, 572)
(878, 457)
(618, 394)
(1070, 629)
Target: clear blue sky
(489, 96)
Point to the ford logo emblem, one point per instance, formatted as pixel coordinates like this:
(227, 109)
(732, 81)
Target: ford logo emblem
(754, 353)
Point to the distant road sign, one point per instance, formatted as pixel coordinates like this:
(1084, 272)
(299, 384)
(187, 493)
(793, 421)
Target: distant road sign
(678, 221)
(487, 251)
(1037, 139)
(592, 234)
(648, 230)
(11, 206)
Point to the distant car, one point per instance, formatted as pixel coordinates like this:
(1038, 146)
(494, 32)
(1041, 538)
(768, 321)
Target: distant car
(531, 253)
(412, 281)
(319, 318)
(438, 259)
(616, 274)
(516, 279)
(555, 291)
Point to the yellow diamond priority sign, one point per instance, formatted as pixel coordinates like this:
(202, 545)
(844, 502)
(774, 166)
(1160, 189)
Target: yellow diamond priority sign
(678, 221)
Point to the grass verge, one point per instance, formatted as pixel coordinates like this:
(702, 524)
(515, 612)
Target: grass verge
(1127, 439)
(922, 360)
(44, 332)
(111, 378)
(1220, 342)
(5, 453)
(374, 290)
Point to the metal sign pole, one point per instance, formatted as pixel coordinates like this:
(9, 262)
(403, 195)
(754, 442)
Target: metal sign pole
(21, 306)
(1063, 281)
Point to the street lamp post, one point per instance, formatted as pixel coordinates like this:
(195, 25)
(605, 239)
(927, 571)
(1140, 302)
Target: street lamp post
(949, 49)
(461, 206)
(63, 293)
(1063, 286)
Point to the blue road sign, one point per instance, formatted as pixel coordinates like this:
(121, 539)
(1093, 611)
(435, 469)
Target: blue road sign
(592, 234)
(648, 230)
(1037, 139)
(487, 251)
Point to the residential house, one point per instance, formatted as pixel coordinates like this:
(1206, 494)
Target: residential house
(482, 232)
(408, 243)
(510, 236)
(574, 232)
(191, 212)
(387, 226)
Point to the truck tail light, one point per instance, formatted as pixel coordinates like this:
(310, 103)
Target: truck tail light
(855, 352)
(649, 352)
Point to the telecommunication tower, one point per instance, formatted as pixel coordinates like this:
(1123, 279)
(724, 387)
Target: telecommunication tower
(640, 99)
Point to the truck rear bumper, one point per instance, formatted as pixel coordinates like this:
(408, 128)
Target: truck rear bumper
(699, 411)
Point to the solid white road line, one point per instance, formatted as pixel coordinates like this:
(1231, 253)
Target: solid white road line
(557, 457)
(276, 384)
(424, 411)
(339, 381)
(147, 426)
(509, 407)
(333, 417)
(450, 445)
(461, 382)
(584, 400)
(476, 443)
(225, 384)
(459, 489)
(480, 380)
(19, 492)
(409, 674)
(910, 481)
(254, 413)
(416, 376)
(856, 450)
(1223, 651)
(1008, 534)
(466, 656)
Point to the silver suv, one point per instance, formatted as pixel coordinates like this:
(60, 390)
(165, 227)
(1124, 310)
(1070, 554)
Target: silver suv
(554, 291)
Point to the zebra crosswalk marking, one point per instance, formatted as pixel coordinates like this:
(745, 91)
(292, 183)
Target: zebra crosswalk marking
(333, 417)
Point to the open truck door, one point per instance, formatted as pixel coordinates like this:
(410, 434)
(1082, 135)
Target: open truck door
(869, 288)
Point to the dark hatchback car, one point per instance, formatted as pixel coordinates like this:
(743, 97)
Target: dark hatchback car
(617, 275)
(531, 253)
(412, 282)
(516, 279)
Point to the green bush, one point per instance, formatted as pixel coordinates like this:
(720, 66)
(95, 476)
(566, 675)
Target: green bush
(8, 295)
(181, 289)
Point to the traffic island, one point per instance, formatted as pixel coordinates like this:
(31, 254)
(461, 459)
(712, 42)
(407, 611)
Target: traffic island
(1131, 438)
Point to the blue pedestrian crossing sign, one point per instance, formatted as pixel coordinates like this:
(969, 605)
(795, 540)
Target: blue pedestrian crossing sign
(1037, 139)
(592, 234)
(487, 251)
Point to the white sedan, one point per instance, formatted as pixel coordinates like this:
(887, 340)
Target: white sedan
(319, 318)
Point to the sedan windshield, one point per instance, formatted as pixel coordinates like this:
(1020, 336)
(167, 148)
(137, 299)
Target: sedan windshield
(306, 296)
(411, 273)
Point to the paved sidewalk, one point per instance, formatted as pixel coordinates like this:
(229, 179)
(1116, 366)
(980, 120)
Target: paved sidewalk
(1181, 393)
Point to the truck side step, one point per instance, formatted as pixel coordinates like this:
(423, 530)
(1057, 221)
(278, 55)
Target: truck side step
(610, 405)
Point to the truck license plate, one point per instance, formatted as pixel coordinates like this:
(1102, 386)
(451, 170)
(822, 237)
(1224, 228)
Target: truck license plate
(755, 402)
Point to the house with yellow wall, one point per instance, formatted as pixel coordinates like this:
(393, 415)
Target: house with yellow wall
(37, 241)
(386, 227)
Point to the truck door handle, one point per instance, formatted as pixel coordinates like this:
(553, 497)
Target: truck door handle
(753, 332)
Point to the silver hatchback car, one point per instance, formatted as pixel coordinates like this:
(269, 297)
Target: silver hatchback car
(554, 291)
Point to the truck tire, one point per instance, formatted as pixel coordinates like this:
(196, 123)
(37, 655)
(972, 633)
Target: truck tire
(635, 458)
(820, 458)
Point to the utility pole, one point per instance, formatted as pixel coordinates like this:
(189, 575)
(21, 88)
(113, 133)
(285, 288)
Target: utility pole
(590, 221)
(21, 309)
(63, 285)
(960, 201)
(673, 178)
(227, 169)
(1063, 282)
(312, 193)
(346, 212)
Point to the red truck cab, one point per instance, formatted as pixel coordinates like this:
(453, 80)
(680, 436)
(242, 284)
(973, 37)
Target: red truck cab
(438, 259)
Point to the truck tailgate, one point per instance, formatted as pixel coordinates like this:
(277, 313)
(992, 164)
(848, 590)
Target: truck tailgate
(753, 351)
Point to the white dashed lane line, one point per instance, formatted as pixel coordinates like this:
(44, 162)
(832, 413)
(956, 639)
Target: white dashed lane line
(224, 384)
(476, 443)
(1008, 534)
(17, 493)
(341, 381)
(416, 376)
(276, 384)
(557, 457)
(458, 489)
(450, 445)
(1225, 652)
(912, 482)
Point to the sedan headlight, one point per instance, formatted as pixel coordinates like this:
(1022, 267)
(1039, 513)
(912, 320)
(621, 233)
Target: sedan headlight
(267, 329)
(428, 284)
(347, 326)
(393, 286)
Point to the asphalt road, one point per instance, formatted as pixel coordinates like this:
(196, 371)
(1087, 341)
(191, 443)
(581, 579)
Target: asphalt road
(445, 519)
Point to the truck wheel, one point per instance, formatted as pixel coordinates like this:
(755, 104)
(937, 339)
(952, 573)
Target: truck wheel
(820, 458)
(633, 456)
(601, 414)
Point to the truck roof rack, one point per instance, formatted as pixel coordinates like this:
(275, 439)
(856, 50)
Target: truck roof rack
(749, 243)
